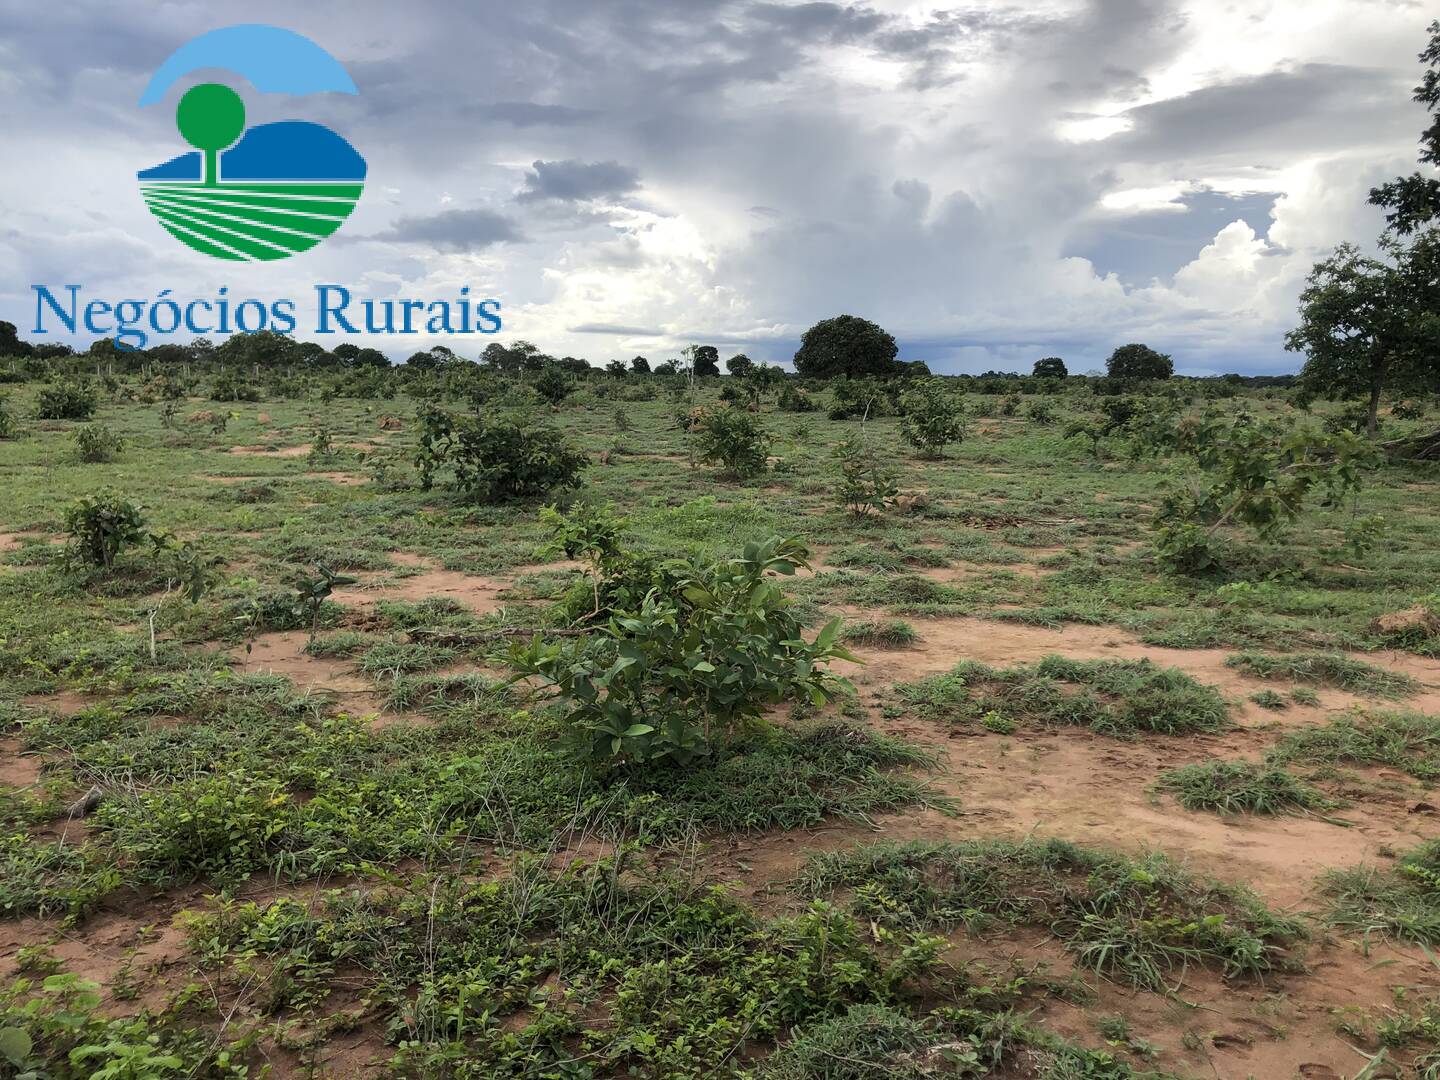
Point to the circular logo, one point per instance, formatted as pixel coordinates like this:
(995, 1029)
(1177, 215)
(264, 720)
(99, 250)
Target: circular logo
(260, 193)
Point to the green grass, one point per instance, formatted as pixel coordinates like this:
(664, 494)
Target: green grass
(880, 634)
(1326, 669)
(1400, 901)
(1242, 787)
(1112, 697)
(1140, 921)
(1407, 741)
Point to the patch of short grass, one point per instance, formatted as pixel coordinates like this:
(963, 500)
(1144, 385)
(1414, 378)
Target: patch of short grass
(880, 634)
(1113, 697)
(1408, 741)
(1137, 920)
(1326, 669)
(1400, 901)
(1242, 787)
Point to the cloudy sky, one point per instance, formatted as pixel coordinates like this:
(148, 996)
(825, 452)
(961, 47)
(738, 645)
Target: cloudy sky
(992, 183)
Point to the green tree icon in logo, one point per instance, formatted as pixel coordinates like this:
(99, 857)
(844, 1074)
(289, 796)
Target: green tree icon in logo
(210, 117)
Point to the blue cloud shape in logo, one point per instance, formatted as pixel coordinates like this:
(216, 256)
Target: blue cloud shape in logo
(275, 60)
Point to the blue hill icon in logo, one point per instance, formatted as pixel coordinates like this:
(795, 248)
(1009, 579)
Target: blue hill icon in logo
(262, 193)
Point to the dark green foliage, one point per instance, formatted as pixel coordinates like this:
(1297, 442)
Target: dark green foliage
(101, 526)
(1052, 367)
(1414, 200)
(846, 346)
(496, 461)
(1140, 921)
(1366, 323)
(1113, 697)
(735, 440)
(1326, 669)
(1137, 361)
(933, 417)
(96, 443)
(692, 666)
(66, 401)
(1242, 787)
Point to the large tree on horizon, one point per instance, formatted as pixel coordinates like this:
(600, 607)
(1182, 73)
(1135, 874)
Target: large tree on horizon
(846, 346)
(1136, 361)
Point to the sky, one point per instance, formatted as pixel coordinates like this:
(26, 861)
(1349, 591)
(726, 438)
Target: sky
(992, 183)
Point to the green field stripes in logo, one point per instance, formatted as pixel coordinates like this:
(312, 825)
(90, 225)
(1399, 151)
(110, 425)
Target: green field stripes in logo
(251, 221)
(252, 192)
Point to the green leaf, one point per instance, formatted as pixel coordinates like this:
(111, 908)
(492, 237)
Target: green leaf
(635, 730)
(15, 1045)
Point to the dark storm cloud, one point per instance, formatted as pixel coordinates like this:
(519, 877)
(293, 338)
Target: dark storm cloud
(453, 230)
(577, 181)
(798, 159)
(1311, 106)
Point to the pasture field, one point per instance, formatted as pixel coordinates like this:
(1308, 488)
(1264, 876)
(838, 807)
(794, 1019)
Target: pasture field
(1076, 813)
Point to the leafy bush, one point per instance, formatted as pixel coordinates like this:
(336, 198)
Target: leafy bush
(867, 485)
(97, 443)
(101, 526)
(934, 416)
(496, 461)
(862, 398)
(794, 399)
(695, 664)
(735, 440)
(66, 401)
(9, 426)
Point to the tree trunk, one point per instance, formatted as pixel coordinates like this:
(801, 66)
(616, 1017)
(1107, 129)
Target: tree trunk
(1370, 416)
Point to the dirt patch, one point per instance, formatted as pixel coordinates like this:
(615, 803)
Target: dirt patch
(65, 702)
(17, 769)
(945, 642)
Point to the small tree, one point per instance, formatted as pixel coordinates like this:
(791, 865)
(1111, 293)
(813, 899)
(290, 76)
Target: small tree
(735, 440)
(1052, 367)
(867, 485)
(640, 366)
(934, 416)
(101, 526)
(1368, 325)
(739, 365)
(846, 345)
(1139, 362)
(696, 663)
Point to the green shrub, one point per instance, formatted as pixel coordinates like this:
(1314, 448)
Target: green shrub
(66, 401)
(735, 440)
(96, 443)
(867, 485)
(794, 399)
(101, 526)
(9, 426)
(934, 416)
(693, 665)
(496, 461)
